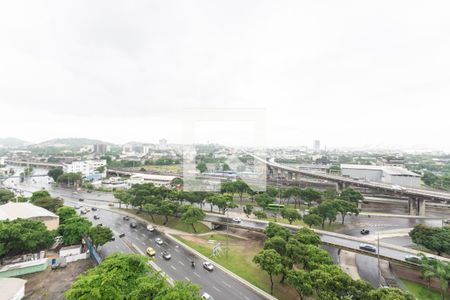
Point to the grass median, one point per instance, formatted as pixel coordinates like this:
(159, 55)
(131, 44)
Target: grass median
(420, 291)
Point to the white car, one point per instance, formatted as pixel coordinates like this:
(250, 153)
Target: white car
(208, 266)
(237, 220)
(207, 296)
(159, 241)
(150, 228)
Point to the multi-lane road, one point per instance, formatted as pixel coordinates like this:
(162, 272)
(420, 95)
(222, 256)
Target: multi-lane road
(216, 283)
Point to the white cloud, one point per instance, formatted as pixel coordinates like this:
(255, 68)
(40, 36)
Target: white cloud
(350, 73)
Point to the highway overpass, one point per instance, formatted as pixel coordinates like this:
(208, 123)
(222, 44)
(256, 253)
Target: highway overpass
(416, 197)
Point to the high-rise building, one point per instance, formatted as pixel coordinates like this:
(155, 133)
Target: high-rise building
(100, 148)
(316, 146)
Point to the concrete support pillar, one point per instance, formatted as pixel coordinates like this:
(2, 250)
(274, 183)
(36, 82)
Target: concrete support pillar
(421, 206)
(270, 172)
(340, 186)
(412, 206)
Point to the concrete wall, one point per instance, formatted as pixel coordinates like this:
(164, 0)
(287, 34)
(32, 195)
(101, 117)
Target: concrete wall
(402, 180)
(371, 175)
(18, 269)
(50, 222)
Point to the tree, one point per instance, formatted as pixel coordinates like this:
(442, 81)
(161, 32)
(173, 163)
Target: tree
(433, 238)
(240, 187)
(65, 213)
(276, 243)
(429, 178)
(263, 200)
(6, 196)
(101, 169)
(345, 208)
(309, 195)
(49, 203)
(307, 236)
(23, 236)
(224, 202)
(151, 209)
(39, 195)
(128, 276)
(351, 195)
(70, 179)
(193, 215)
(269, 261)
(166, 208)
(327, 211)
(260, 214)
(273, 229)
(291, 214)
(55, 173)
(100, 235)
(389, 294)
(329, 194)
(74, 229)
(248, 209)
(431, 267)
(301, 281)
(123, 197)
(201, 167)
(312, 219)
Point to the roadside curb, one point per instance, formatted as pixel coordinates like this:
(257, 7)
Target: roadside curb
(238, 278)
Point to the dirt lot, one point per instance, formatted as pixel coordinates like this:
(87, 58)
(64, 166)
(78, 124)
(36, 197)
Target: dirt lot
(52, 284)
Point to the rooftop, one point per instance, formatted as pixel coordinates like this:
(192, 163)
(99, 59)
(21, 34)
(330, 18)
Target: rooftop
(10, 287)
(399, 171)
(23, 210)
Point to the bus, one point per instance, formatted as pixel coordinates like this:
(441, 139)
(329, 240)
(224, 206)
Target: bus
(275, 206)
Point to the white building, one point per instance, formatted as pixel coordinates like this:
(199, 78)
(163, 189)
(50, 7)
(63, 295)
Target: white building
(85, 167)
(158, 180)
(386, 174)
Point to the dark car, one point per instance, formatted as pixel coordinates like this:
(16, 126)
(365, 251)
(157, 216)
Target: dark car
(96, 217)
(121, 235)
(365, 231)
(367, 247)
(126, 218)
(133, 225)
(81, 199)
(94, 208)
(89, 191)
(166, 255)
(113, 239)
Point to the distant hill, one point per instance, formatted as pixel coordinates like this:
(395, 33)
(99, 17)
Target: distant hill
(11, 142)
(70, 143)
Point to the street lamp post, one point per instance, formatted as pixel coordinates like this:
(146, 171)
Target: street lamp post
(378, 258)
(228, 220)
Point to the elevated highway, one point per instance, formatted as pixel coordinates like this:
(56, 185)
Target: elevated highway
(416, 197)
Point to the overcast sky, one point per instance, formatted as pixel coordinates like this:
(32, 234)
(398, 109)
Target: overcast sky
(350, 73)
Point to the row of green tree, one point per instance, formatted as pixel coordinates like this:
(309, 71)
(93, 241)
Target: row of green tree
(68, 179)
(298, 259)
(164, 202)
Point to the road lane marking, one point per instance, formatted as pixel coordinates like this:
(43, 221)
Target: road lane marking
(246, 297)
(180, 263)
(196, 275)
(214, 287)
(173, 267)
(187, 278)
(226, 284)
